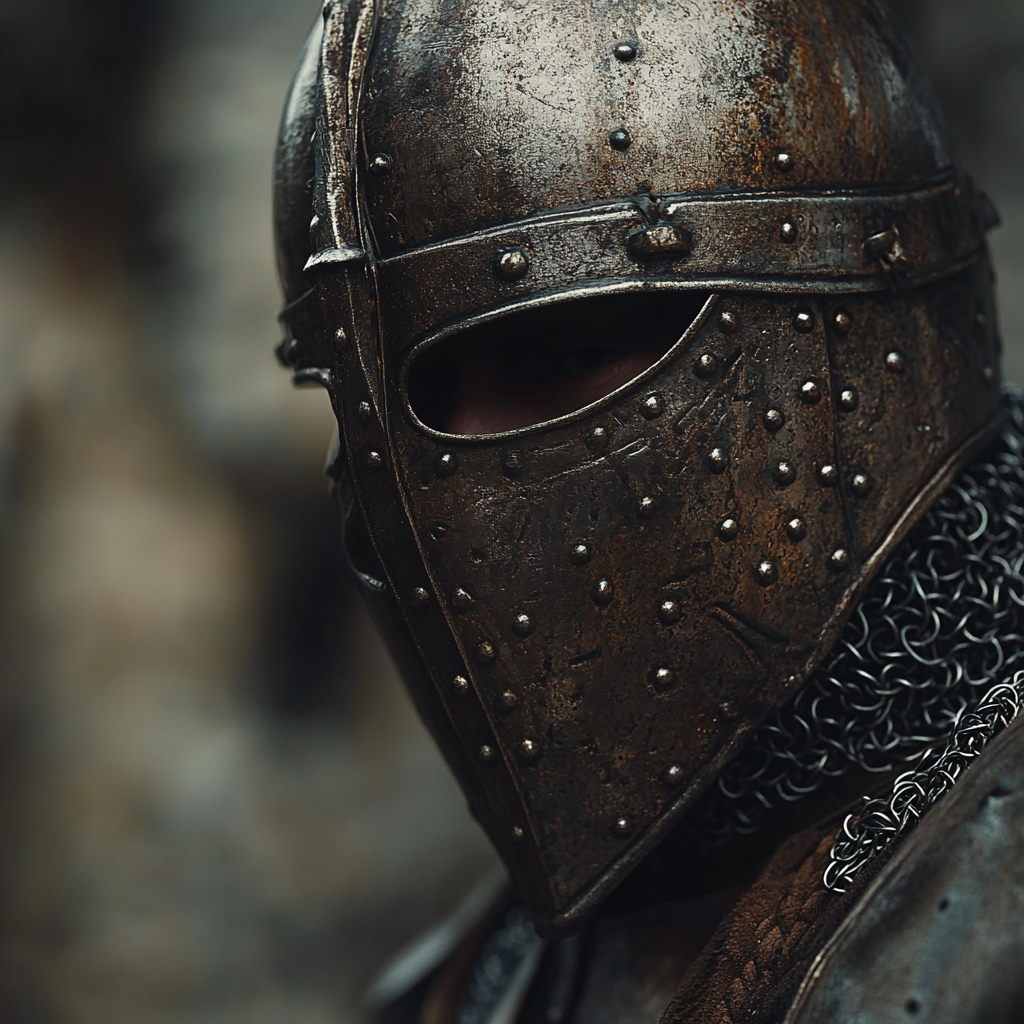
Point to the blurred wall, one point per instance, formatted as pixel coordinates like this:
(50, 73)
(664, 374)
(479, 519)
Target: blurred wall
(215, 802)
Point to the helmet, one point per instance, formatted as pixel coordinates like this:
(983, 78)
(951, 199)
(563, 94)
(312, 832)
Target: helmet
(592, 612)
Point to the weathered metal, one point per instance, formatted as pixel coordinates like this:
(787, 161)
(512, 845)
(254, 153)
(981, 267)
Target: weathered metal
(609, 602)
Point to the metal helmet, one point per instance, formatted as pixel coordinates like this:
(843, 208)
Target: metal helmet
(593, 612)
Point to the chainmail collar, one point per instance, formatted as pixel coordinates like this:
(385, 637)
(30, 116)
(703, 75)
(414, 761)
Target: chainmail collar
(941, 624)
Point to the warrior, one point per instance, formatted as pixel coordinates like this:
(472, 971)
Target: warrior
(676, 467)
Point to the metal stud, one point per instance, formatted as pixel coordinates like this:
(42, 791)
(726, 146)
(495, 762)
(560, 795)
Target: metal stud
(518, 835)
(485, 653)
(446, 464)
(486, 754)
(728, 322)
(670, 611)
(796, 529)
(512, 263)
(828, 475)
(788, 232)
(860, 484)
(842, 321)
(894, 362)
(527, 750)
(673, 775)
(622, 827)
(988, 373)
(597, 440)
(373, 460)
(810, 393)
(848, 399)
(804, 321)
(766, 573)
(783, 161)
(460, 684)
(645, 509)
(380, 164)
(705, 365)
(774, 419)
(461, 600)
(624, 52)
(717, 460)
(364, 412)
(506, 700)
(652, 406)
(602, 592)
(785, 474)
(663, 678)
(512, 464)
(839, 560)
(522, 624)
(727, 529)
(580, 554)
(619, 139)
(419, 597)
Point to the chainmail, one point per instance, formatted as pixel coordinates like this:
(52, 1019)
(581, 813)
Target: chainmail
(939, 626)
(880, 823)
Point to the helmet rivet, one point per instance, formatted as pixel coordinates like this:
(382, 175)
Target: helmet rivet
(839, 560)
(485, 653)
(446, 464)
(766, 573)
(785, 474)
(380, 164)
(624, 52)
(788, 232)
(728, 322)
(597, 440)
(828, 475)
(895, 363)
(512, 263)
(460, 684)
(646, 507)
(622, 827)
(673, 775)
(580, 554)
(717, 460)
(669, 611)
(373, 460)
(796, 529)
(364, 412)
(619, 139)
(705, 365)
(728, 528)
(804, 321)
(860, 484)
(486, 754)
(512, 464)
(652, 407)
(419, 597)
(783, 161)
(810, 392)
(461, 599)
(602, 592)
(843, 322)
(774, 419)
(848, 399)
(522, 625)
(527, 750)
(663, 678)
(506, 700)
(518, 835)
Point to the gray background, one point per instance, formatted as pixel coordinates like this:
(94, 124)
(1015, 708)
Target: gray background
(215, 802)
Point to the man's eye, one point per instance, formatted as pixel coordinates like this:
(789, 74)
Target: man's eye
(574, 361)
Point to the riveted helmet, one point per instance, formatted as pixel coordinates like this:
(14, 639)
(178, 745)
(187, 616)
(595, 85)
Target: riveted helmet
(593, 611)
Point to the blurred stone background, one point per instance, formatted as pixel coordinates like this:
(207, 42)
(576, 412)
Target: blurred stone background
(215, 803)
